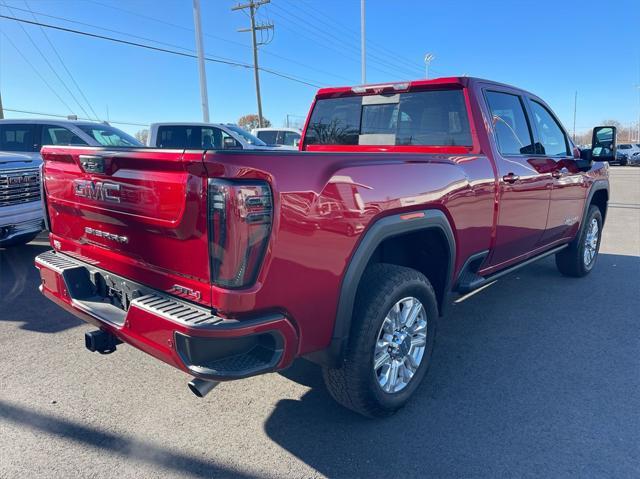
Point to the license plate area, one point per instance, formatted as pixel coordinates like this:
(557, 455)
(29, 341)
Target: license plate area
(117, 291)
(102, 295)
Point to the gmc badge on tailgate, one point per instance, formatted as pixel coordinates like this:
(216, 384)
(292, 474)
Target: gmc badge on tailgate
(97, 190)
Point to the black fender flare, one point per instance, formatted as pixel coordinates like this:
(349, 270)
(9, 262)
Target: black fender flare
(597, 185)
(381, 230)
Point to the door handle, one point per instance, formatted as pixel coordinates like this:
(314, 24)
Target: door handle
(559, 173)
(510, 178)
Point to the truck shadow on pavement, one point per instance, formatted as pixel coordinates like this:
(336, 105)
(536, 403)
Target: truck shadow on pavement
(20, 300)
(129, 449)
(537, 375)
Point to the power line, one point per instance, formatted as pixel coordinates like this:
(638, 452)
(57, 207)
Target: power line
(131, 35)
(327, 34)
(331, 42)
(164, 50)
(44, 80)
(333, 24)
(44, 57)
(55, 50)
(58, 115)
(182, 27)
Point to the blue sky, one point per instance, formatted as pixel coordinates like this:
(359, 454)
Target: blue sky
(551, 48)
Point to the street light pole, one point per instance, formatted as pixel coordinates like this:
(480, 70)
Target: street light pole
(204, 98)
(428, 58)
(363, 53)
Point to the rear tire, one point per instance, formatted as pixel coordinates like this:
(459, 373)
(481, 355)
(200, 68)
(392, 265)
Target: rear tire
(386, 358)
(580, 257)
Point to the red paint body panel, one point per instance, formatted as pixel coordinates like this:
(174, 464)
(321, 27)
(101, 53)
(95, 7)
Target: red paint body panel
(324, 202)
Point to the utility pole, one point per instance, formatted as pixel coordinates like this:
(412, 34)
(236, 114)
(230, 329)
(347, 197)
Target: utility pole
(204, 98)
(1, 110)
(253, 6)
(363, 51)
(575, 108)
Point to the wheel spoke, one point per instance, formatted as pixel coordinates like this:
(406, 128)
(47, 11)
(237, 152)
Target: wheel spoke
(418, 341)
(381, 359)
(406, 372)
(381, 345)
(419, 326)
(412, 315)
(385, 378)
(387, 324)
(393, 375)
(412, 363)
(394, 315)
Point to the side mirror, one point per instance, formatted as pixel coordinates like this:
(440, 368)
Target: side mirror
(603, 143)
(231, 144)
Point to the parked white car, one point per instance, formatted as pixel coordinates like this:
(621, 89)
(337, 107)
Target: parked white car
(629, 149)
(288, 138)
(208, 136)
(21, 217)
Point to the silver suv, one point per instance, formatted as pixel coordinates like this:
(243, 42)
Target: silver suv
(20, 142)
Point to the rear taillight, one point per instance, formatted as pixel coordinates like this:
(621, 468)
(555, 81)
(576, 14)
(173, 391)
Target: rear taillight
(240, 217)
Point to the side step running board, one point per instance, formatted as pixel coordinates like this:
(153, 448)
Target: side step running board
(471, 281)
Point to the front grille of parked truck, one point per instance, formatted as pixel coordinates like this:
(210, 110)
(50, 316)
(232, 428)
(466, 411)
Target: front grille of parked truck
(19, 186)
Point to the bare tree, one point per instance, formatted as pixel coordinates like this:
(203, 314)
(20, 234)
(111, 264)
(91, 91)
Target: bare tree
(142, 136)
(625, 134)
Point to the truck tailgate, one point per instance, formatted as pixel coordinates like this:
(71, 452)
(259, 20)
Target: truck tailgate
(140, 213)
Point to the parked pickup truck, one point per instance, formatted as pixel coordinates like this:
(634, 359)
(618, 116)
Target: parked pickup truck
(228, 264)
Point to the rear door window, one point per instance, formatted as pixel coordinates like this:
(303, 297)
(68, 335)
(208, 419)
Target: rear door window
(107, 135)
(425, 118)
(290, 138)
(18, 137)
(179, 136)
(211, 138)
(269, 137)
(58, 135)
(510, 125)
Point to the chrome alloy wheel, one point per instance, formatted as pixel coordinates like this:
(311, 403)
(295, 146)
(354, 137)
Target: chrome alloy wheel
(591, 243)
(400, 345)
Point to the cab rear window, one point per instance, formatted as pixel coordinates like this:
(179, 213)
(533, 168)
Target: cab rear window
(426, 118)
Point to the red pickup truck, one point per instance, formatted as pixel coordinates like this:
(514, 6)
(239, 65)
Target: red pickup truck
(228, 264)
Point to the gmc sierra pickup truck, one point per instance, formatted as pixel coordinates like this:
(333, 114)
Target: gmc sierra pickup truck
(229, 264)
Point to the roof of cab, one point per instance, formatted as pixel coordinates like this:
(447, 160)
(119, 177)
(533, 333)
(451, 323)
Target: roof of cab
(402, 86)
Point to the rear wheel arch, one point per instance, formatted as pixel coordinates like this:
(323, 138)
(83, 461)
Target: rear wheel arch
(389, 240)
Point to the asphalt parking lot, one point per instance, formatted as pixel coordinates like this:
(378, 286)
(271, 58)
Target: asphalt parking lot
(538, 375)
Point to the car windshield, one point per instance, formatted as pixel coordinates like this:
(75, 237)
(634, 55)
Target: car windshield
(109, 136)
(248, 137)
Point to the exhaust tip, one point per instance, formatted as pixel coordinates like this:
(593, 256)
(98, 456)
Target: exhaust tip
(201, 387)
